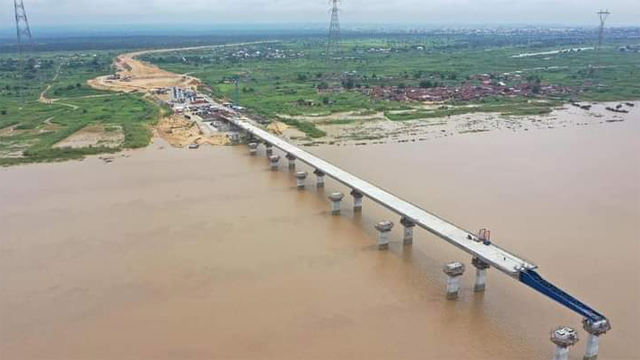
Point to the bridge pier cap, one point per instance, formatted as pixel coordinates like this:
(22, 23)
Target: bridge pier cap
(408, 230)
(301, 176)
(292, 161)
(357, 200)
(319, 178)
(336, 198)
(274, 159)
(453, 270)
(253, 148)
(384, 228)
(595, 329)
(481, 274)
(563, 337)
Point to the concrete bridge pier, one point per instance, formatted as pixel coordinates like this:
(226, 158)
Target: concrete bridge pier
(357, 200)
(453, 270)
(319, 178)
(595, 329)
(408, 230)
(253, 149)
(336, 199)
(292, 161)
(481, 274)
(269, 149)
(384, 228)
(301, 177)
(274, 160)
(564, 337)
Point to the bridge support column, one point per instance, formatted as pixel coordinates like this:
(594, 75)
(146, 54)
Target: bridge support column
(319, 178)
(384, 228)
(453, 270)
(564, 337)
(595, 329)
(269, 149)
(481, 274)
(408, 230)
(274, 159)
(301, 176)
(336, 199)
(292, 161)
(253, 148)
(357, 200)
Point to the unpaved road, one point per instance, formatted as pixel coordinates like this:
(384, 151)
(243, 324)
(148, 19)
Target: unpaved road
(138, 76)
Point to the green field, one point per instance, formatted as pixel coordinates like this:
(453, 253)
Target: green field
(293, 86)
(30, 130)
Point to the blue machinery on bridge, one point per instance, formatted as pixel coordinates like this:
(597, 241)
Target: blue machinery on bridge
(485, 254)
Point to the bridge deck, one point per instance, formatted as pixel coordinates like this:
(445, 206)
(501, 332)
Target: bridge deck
(492, 254)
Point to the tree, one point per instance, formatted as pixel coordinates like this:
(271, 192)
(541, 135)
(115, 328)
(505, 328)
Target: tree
(425, 84)
(3, 112)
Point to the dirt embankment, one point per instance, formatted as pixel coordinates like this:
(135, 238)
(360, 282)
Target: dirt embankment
(134, 75)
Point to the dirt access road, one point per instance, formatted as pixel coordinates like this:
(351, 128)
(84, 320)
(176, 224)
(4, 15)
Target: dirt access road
(138, 76)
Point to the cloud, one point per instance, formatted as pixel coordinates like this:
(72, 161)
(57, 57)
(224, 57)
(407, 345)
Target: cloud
(437, 12)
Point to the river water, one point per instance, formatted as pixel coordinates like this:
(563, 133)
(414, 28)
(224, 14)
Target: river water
(182, 254)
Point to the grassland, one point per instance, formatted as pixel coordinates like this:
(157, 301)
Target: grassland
(30, 130)
(298, 84)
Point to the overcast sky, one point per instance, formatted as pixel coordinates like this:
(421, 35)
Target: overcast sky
(435, 12)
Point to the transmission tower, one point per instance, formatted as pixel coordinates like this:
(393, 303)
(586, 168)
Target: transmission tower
(333, 45)
(24, 41)
(603, 15)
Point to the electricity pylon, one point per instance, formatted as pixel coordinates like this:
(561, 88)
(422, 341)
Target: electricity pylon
(25, 40)
(333, 45)
(603, 15)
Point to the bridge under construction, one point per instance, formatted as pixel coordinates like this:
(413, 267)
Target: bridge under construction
(484, 252)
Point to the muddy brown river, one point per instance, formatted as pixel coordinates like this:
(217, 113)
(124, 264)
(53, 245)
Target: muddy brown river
(182, 254)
